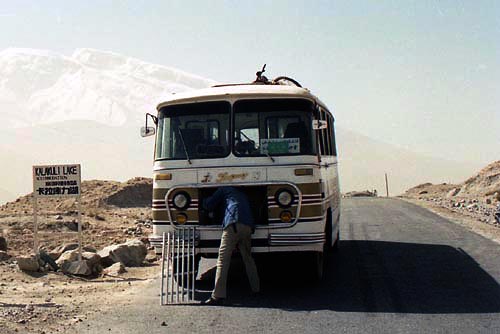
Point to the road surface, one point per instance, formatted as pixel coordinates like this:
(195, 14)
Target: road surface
(400, 269)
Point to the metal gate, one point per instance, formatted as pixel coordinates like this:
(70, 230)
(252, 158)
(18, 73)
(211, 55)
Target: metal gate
(178, 271)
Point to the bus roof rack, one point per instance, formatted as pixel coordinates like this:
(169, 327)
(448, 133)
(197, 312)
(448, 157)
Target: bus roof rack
(263, 80)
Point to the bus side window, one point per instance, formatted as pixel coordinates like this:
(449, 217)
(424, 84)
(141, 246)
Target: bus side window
(329, 133)
(326, 134)
(322, 139)
(332, 134)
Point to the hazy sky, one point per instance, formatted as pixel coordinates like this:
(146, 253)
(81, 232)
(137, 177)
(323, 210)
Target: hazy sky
(420, 74)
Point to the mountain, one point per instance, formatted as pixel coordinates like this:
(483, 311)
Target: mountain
(87, 108)
(42, 87)
(485, 183)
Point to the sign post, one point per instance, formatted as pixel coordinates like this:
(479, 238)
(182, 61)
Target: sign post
(57, 181)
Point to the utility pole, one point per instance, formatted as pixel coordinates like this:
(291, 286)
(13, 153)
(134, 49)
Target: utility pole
(386, 185)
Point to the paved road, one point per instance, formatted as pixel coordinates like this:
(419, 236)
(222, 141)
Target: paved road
(400, 269)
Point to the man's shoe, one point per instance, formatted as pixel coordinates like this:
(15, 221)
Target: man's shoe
(213, 301)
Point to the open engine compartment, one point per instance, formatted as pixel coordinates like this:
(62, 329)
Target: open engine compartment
(257, 196)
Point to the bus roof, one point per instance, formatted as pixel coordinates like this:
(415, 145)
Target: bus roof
(240, 91)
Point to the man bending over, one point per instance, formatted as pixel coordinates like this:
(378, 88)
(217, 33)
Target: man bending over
(237, 229)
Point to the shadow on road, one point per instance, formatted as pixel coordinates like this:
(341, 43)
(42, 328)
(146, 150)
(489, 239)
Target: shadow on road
(372, 276)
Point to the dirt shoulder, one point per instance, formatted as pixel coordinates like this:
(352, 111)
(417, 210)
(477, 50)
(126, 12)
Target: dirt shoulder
(470, 221)
(53, 302)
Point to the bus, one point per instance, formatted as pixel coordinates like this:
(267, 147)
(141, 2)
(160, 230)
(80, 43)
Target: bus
(272, 139)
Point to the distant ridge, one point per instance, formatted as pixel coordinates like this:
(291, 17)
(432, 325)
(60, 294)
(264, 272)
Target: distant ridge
(363, 162)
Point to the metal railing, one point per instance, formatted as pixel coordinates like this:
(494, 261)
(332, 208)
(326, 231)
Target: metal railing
(178, 266)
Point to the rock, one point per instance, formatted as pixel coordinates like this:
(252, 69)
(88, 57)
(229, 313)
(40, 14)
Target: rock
(28, 263)
(68, 256)
(58, 217)
(151, 258)
(67, 263)
(423, 192)
(4, 256)
(453, 192)
(78, 268)
(56, 253)
(72, 225)
(94, 260)
(131, 253)
(3, 244)
(472, 206)
(115, 269)
(488, 201)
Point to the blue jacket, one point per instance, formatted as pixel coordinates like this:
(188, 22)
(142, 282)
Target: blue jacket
(237, 208)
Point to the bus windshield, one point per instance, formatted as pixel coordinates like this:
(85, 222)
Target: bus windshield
(273, 127)
(193, 131)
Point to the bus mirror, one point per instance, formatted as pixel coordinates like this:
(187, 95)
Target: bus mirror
(147, 131)
(319, 124)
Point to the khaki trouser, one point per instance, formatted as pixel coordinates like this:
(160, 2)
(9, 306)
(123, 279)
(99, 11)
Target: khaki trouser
(242, 237)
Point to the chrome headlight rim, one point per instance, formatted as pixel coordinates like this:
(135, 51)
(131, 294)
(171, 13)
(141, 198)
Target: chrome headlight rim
(279, 199)
(179, 203)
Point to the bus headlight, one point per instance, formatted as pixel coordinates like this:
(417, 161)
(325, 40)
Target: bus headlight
(181, 200)
(284, 198)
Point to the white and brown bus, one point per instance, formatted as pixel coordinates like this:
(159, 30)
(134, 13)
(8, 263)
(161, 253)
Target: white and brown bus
(274, 141)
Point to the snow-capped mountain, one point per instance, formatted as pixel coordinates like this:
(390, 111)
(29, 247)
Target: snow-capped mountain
(86, 108)
(40, 87)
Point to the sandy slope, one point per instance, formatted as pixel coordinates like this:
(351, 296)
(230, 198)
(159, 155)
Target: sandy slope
(471, 203)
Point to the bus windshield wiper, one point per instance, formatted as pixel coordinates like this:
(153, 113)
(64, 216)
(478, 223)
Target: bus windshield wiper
(184, 146)
(269, 156)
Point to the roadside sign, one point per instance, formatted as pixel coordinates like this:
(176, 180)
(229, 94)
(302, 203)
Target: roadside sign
(56, 181)
(51, 181)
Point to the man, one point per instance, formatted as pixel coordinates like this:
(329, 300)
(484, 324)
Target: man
(238, 226)
(497, 214)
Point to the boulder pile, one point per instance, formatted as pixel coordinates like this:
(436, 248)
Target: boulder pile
(483, 210)
(111, 260)
(138, 229)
